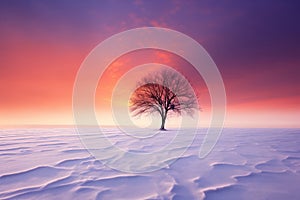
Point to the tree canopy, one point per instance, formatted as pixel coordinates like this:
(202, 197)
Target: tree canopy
(163, 92)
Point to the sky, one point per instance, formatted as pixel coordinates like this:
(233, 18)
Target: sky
(255, 44)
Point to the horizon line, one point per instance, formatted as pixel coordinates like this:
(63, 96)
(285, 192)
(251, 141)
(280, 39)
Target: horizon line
(108, 125)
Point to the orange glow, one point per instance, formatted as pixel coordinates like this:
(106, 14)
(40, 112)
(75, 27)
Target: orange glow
(37, 76)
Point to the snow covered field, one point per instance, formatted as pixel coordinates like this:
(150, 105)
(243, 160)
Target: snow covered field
(245, 164)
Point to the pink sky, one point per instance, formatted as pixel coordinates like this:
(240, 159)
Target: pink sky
(44, 44)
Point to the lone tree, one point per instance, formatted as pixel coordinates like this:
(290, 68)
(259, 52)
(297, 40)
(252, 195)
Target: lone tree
(162, 92)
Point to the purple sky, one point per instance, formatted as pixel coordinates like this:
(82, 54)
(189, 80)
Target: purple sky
(255, 44)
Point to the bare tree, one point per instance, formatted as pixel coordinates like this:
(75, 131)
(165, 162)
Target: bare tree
(162, 92)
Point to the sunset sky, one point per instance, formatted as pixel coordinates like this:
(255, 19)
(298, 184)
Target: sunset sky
(255, 44)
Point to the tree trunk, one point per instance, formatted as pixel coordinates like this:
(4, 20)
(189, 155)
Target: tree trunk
(163, 121)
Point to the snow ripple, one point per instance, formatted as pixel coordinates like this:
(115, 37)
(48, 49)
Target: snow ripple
(245, 164)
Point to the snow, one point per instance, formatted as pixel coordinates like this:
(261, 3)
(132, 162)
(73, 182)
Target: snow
(245, 164)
